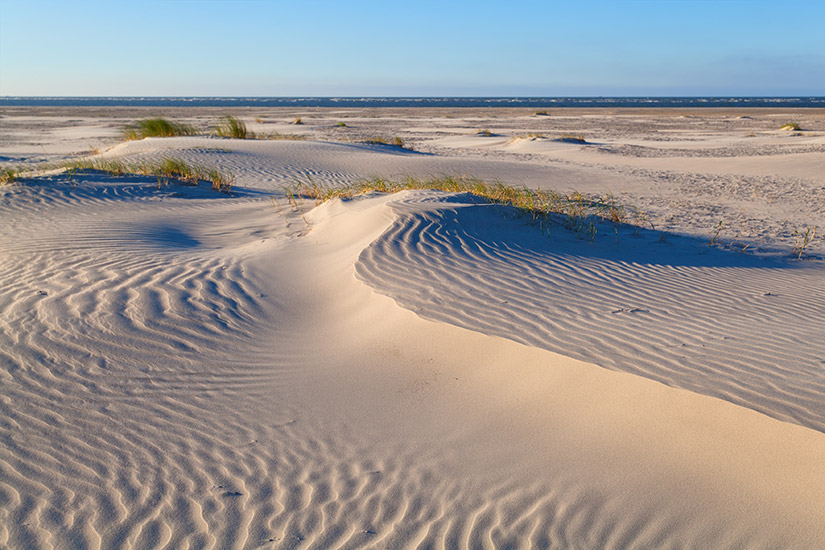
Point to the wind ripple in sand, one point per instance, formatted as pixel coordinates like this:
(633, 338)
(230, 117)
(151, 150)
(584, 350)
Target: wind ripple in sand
(130, 419)
(148, 379)
(730, 326)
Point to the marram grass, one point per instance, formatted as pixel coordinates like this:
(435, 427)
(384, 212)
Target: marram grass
(165, 171)
(396, 141)
(156, 127)
(575, 211)
(229, 126)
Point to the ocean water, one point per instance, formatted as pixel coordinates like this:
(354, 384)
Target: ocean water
(531, 102)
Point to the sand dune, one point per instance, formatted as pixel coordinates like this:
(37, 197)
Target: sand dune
(670, 311)
(187, 369)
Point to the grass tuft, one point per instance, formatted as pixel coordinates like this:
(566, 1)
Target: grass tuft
(297, 121)
(8, 175)
(341, 125)
(485, 133)
(156, 127)
(791, 126)
(229, 126)
(802, 240)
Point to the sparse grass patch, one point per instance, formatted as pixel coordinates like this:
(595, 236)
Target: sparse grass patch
(297, 121)
(575, 211)
(396, 141)
(341, 125)
(541, 113)
(484, 132)
(530, 135)
(571, 138)
(156, 127)
(229, 126)
(290, 137)
(165, 170)
(791, 126)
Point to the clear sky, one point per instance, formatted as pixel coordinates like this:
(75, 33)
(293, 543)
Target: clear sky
(412, 48)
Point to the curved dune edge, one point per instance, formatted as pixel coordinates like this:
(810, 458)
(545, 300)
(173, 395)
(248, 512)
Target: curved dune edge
(702, 470)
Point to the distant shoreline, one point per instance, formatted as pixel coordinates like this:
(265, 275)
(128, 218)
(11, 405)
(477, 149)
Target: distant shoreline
(424, 102)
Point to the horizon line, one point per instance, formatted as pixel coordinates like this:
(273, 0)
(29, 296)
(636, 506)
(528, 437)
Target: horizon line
(714, 96)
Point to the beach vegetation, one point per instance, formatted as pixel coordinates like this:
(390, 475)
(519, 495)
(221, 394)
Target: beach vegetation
(575, 211)
(791, 126)
(229, 126)
(165, 170)
(297, 121)
(571, 138)
(287, 137)
(541, 113)
(156, 127)
(341, 125)
(803, 238)
(484, 132)
(8, 175)
(530, 135)
(715, 238)
(396, 141)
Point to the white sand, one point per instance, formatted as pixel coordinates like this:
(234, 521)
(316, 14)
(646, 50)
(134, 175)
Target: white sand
(185, 369)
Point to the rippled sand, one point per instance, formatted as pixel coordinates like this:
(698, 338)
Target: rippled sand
(187, 369)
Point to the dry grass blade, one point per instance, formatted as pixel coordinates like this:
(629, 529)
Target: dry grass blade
(802, 240)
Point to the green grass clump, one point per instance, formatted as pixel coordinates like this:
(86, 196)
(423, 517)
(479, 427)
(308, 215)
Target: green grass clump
(156, 127)
(341, 125)
(8, 175)
(574, 211)
(164, 170)
(396, 141)
(229, 126)
(791, 126)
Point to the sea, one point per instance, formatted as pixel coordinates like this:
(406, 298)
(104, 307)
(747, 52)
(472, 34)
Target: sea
(529, 102)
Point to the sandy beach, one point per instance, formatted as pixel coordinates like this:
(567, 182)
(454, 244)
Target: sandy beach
(185, 368)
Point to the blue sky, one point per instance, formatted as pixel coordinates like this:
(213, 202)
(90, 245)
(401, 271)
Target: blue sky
(416, 48)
